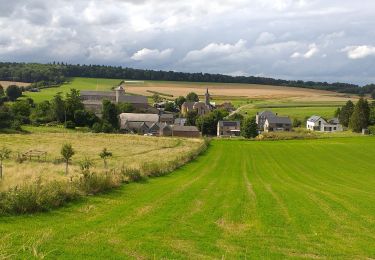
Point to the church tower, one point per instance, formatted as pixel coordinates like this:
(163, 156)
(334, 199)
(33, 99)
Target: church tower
(207, 98)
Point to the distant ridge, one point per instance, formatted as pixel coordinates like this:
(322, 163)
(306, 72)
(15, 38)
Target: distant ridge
(56, 73)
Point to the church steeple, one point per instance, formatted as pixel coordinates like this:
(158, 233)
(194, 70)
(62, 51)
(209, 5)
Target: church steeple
(207, 97)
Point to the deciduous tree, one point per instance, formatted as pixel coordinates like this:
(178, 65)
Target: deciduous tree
(67, 153)
(360, 117)
(249, 128)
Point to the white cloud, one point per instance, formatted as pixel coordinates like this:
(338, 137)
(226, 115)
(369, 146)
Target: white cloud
(148, 54)
(359, 52)
(213, 50)
(265, 37)
(313, 49)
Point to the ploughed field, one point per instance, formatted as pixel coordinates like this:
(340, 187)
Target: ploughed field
(276, 199)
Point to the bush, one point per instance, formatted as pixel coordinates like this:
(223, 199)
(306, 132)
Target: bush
(70, 125)
(297, 122)
(96, 128)
(132, 175)
(107, 128)
(371, 130)
(94, 183)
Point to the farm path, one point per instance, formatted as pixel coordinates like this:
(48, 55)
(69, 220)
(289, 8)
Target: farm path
(280, 199)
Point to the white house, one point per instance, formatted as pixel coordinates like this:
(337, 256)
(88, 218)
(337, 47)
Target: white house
(317, 123)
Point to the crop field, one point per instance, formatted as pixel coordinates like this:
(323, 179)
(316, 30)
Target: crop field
(220, 91)
(6, 84)
(241, 199)
(128, 151)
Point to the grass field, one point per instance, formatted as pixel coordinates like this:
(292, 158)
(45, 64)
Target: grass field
(256, 200)
(299, 110)
(128, 151)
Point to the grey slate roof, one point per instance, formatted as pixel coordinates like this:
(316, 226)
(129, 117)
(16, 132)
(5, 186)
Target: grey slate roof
(279, 120)
(134, 117)
(314, 118)
(267, 114)
(185, 128)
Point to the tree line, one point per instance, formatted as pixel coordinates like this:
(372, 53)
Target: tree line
(45, 75)
(357, 116)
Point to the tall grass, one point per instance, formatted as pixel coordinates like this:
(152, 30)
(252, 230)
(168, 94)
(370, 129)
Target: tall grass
(39, 196)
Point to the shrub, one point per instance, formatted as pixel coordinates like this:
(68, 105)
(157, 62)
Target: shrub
(96, 127)
(132, 175)
(371, 130)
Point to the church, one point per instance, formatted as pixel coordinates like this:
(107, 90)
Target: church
(92, 100)
(202, 108)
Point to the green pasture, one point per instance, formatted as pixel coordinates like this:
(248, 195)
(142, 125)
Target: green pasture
(293, 109)
(76, 83)
(240, 200)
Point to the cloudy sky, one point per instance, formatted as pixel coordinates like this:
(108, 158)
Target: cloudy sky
(330, 40)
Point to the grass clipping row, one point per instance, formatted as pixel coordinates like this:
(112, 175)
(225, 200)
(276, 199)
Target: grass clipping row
(38, 196)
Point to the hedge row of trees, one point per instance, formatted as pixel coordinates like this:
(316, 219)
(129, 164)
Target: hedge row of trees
(357, 116)
(56, 73)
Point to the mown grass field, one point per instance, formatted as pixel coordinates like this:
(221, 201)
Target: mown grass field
(299, 110)
(128, 152)
(256, 200)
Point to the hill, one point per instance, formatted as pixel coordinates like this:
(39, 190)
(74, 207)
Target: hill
(55, 74)
(279, 199)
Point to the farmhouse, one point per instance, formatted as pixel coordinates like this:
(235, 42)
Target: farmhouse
(92, 100)
(185, 131)
(317, 123)
(144, 124)
(167, 118)
(202, 108)
(261, 117)
(228, 128)
(277, 123)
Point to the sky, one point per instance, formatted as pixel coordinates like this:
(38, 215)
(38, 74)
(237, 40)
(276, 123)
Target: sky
(316, 40)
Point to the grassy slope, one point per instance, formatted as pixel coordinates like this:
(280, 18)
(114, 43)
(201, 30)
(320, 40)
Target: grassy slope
(299, 110)
(77, 83)
(299, 199)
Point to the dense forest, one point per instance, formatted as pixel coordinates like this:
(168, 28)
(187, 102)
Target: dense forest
(45, 75)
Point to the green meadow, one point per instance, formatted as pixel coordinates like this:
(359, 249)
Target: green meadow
(293, 109)
(241, 199)
(76, 83)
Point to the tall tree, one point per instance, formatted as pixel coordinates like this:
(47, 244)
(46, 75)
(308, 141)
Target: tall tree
(73, 103)
(360, 117)
(109, 114)
(179, 101)
(192, 97)
(58, 108)
(2, 92)
(13, 92)
(191, 117)
(249, 127)
(345, 113)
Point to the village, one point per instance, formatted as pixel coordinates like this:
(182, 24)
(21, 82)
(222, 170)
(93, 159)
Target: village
(156, 120)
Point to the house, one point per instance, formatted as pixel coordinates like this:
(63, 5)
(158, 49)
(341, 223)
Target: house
(261, 118)
(317, 123)
(92, 100)
(277, 123)
(185, 131)
(167, 118)
(180, 121)
(202, 108)
(131, 121)
(228, 128)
